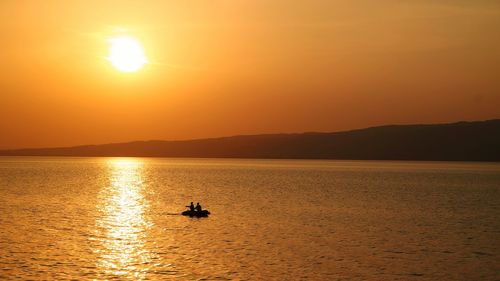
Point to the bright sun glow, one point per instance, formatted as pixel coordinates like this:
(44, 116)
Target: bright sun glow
(126, 54)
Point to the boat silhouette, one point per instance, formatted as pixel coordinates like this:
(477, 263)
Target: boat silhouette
(198, 214)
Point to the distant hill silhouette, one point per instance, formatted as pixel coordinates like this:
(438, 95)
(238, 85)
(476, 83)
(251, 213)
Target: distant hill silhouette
(462, 141)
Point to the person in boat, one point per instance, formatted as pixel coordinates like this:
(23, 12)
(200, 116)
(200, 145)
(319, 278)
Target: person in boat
(198, 207)
(191, 207)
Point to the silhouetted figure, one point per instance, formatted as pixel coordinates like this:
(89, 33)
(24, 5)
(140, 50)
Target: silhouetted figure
(195, 211)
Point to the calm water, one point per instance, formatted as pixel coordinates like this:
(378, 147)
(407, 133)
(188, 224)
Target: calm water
(117, 218)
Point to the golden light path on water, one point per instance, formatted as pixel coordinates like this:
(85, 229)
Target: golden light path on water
(122, 225)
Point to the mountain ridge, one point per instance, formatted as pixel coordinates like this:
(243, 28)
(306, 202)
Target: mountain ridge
(458, 141)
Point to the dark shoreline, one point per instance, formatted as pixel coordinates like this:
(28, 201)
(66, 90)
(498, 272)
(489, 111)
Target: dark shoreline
(463, 141)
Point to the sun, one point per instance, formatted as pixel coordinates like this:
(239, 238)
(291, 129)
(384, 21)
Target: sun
(126, 54)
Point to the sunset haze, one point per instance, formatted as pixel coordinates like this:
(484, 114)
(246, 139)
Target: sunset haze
(222, 68)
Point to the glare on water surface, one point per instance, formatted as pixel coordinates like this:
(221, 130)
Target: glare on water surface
(123, 222)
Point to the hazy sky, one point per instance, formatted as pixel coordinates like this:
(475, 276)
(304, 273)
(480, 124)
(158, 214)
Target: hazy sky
(231, 67)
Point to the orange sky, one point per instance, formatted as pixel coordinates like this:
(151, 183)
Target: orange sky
(233, 67)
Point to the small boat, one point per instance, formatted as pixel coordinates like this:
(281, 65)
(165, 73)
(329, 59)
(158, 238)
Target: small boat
(202, 213)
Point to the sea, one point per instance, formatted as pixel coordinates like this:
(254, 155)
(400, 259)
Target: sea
(64, 218)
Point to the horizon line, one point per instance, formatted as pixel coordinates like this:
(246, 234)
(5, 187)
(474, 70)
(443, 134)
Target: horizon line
(250, 135)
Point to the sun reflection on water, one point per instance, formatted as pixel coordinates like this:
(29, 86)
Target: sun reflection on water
(123, 223)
